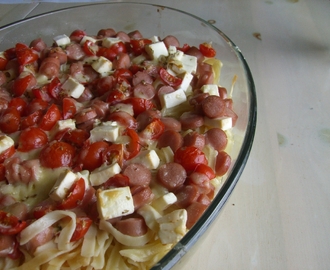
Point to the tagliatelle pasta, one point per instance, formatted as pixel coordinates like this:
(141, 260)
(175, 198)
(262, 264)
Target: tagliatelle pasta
(112, 146)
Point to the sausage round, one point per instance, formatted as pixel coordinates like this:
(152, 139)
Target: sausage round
(194, 139)
(124, 119)
(50, 67)
(134, 226)
(194, 212)
(217, 138)
(171, 175)
(190, 120)
(171, 41)
(213, 106)
(222, 164)
(187, 195)
(138, 174)
(144, 90)
(170, 138)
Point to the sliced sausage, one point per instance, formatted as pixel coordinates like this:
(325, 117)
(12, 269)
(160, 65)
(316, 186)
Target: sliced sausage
(171, 175)
(101, 108)
(138, 174)
(194, 51)
(222, 92)
(217, 138)
(194, 212)
(144, 90)
(74, 51)
(58, 52)
(86, 95)
(187, 195)
(222, 164)
(124, 119)
(108, 32)
(104, 85)
(207, 77)
(85, 115)
(170, 138)
(171, 41)
(145, 118)
(171, 123)
(122, 61)
(123, 36)
(141, 195)
(38, 44)
(136, 34)
(141, 76)
(7, 243)
(134, 226)
(50, 67)
(213, 106)
(190, 120)
(194, 139)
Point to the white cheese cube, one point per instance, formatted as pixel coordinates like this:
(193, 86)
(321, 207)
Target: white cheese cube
(90, 59)
(102, 65)
(85, 175)
(5, 143)
(109, 41)
(103, 173)
(62, 40)
(155, 50)
(62, 185)
(211, 89)
(186, 63)
(41, 79)
(172, 49)
(85, 38)
(107, 131)
(116, 202)
(186, 80)
(121, 107)
(173, 99)
(65, 124)
(163, 202)
(148, 158)
(154, 39)
(172, 226)
(73, 87)
(224, 123)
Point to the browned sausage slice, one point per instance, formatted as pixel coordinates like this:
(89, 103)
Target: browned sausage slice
(138, 174)
(194, 212)
(194, 139)
(134, 226)
(171, 175)
(213, 106)
(217, 138)
(170, 138)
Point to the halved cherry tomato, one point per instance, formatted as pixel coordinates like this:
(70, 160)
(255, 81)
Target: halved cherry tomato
(90, 48)
(9, 224)
(18, 103)
(3, 63)
(25, 55)
(115, 96)
(7, 153)
(31, 138)
(139, 104)
(31, 120)
(207, 50)
(21, 84)
(75, 195)
(118, 180)
(10, 53)
(90, 157)
(77, 35)
(34, 105)
(114, 154)
(42, 93)
(134, 146)
(82, 226)
(123, 73)
(52, 115)
(205, 169)
(10, 120)
(190, 157)
(153, 130)
(43, 208)
(54, 88)
(184, 48)
(111, 52)
(168, 78)
(68, 107)
(76, 137)
(139, 44)
(56, 155)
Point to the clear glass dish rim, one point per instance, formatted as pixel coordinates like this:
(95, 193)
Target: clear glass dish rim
(182, 247)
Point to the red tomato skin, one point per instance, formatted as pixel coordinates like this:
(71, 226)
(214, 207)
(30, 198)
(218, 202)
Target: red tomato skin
(207, 50)
(57, 154)
(10, 121)
(25, 55)
(68, 108)
(138, 45)
(139, 104)
(190, 157)
(31, 120)
(77, 35)
(134, 146)
(21, 84)
(153, 130)
(3, 63)
(169, 79)
(9, 224)
(82, 226)
(205, 169)
(18, 103)
(51, 117)
(91, 156)
(32, 138)
(75, 196)
(7, 153)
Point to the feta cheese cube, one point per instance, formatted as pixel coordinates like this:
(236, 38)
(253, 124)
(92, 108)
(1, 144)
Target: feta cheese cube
(172, 49)
(5, 143)
(109, 41)
(211, 89)
(148, 158)
(163, 202)
(224, 123)
(173, 99)
(65, 124)
(154, 39)
(62, 185)
(186, 80)
(85, 38)
(155, 50)
(181, 63)
(103, 173)
(102, 65)
(172, 226)
(62, 40)
(108, 131)
(85, 175)
(116, 202)
(73, 87)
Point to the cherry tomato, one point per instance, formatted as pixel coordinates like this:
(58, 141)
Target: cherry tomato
(75, 195)
(31, 120)
(31, 138)
(90, 48)
(10, 224)
(42, 93)
(76, 137)
(34, 105)
(190, 157)
(153, 130)
(77, 35)
(82, 226)
(115, 96)
(114, 154)
(118, 180)
(207, 50)
(18, 103)
(52, 115)
(123, 73)
(205, 169)
(91, 156)
(134, 146)
(43, 208)
(111, 52)
(7, 153)
(54, 88)
(68, 108)
(184, 48)
(25, 55)
(10, 121)
(21, 84)
(139, 104)
(10, 53)
(169, 79)
(3, 63)
(139, 44)
(57, 154)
